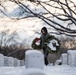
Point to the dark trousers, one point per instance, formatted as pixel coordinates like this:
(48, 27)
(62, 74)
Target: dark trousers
(45, 55)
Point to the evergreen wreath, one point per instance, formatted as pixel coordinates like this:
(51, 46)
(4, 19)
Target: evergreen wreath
(54, 44)
(34, 44)
(49, 50)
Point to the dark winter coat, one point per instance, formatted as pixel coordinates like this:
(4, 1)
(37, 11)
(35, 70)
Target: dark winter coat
(43, 39)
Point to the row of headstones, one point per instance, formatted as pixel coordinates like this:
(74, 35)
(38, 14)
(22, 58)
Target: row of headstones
(68, 58)
(10, 61)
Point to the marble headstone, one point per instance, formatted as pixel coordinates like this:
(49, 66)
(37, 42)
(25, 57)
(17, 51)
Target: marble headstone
(5, 61)
(10, 61)
(22, 62)
(1, 60)
(34, 59)
(72, 58)
(64, 58)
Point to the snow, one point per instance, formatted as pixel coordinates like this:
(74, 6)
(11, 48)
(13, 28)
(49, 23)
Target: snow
(60, 70)
(57, 62)
(50, 45)
(34, 71)
(48, 70)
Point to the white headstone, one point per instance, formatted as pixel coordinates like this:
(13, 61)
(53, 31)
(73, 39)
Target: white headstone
(15, 62)
(74, 64)
(69, 57)
(1, 60)
(72, 58)
(22, 62)
(18, 62)
(5, 61)
(34, 59)
(64, 58)
(10, 61)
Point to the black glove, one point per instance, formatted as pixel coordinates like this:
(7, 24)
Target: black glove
(54, 44)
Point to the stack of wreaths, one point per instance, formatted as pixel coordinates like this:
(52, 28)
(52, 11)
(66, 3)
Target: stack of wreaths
(52, 44)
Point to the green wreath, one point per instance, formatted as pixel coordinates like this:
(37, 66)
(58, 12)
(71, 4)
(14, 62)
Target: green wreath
(34, 46)
(49, 50)
(38, 47)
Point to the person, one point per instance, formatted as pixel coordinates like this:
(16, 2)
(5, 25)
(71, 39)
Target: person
(44, 36)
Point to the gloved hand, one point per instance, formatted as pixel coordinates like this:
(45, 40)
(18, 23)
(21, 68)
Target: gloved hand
(54, 44)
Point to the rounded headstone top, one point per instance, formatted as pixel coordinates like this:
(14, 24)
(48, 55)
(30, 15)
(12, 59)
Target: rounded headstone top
(1, 54)
(10, 57)
(71, 51)
(32, 51)
(64, 54)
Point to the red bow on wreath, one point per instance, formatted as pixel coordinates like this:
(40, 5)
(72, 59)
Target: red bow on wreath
(37, 39)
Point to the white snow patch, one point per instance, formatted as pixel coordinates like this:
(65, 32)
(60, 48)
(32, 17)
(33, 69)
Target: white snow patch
(50, 45)
(48, 70)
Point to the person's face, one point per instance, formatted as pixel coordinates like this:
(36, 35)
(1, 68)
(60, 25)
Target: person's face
(43, 32)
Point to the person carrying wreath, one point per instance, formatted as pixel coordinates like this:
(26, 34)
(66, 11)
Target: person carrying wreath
(44, 36)
(48, 43)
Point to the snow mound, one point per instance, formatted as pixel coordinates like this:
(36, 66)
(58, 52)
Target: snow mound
(48, 70)
(34, 72)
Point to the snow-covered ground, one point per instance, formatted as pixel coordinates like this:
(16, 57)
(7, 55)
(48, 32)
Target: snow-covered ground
(48, 70)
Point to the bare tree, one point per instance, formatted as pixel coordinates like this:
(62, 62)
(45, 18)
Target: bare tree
(64, 11)
(6, 40)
